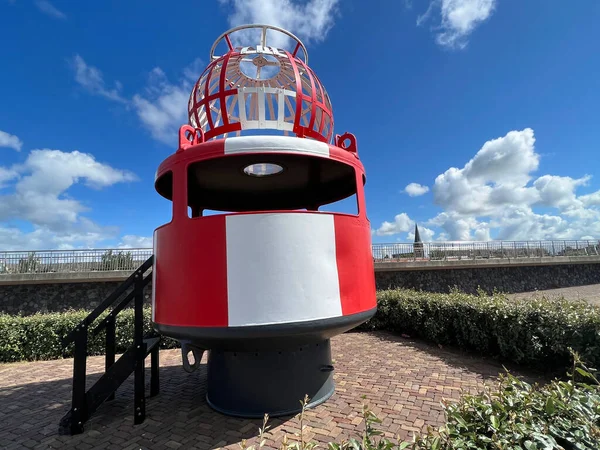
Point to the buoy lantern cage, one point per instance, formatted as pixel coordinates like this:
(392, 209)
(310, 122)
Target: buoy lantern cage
(264, 285)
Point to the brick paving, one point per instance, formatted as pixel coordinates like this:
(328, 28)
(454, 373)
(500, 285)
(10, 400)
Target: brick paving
(403, 381)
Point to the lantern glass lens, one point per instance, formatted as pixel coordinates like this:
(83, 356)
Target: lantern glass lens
(263, 169)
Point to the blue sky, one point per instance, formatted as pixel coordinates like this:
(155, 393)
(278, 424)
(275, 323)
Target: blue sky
(476, 119)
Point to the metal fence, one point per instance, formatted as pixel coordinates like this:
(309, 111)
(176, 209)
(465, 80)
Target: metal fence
(104, 260)
(448, 251)
(62, 261)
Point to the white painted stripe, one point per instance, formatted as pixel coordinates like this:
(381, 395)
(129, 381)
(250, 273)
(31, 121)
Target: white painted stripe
(281, 268)
(267, 144)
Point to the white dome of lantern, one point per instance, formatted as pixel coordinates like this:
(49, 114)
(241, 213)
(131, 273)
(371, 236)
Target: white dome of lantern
(260, 87)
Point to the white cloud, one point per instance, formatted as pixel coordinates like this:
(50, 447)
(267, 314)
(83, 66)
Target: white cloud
(7, 175)
(458, 19)
(49, 9)
(38, 194)
(592, 199)
(310, 21)
(461, 228)
(560, 191)
(131, 241)
(90, 78)
(10, 141)
(86, 234)
(496, 193)
(495, 177)
(163, 108)
(402, 223)
(415, 189)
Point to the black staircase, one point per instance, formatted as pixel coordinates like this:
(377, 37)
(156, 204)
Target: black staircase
(85, 403)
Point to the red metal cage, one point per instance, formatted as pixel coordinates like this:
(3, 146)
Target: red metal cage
(260, 87)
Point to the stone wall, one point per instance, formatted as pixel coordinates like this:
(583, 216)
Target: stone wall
(31, 298)
(508, 279)
(27, 298)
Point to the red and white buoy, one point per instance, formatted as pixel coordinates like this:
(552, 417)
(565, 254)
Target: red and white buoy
(265, 284)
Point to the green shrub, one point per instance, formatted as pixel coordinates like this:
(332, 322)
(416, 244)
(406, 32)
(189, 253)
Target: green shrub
(515, 415)
(528, 332)
(535, 332)
(38, 336)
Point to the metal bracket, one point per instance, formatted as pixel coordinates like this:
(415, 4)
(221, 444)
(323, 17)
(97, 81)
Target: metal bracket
(197, 352)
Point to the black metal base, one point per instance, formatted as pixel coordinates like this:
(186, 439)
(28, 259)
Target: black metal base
(264, 337)
(250, 384)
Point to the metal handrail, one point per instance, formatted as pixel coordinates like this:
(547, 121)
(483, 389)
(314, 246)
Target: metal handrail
(472, 250)
(68, 261)
(106, 260)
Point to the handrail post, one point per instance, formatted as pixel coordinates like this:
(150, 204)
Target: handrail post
(110, 346)
(154, 375)
(140, 349)
(78, 406)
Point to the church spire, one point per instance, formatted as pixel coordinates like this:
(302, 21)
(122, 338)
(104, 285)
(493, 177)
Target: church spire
(417, 236)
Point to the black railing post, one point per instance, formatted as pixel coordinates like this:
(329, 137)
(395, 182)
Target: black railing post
(78, 407)
(139, 381)
(154, 364)
(110, 346)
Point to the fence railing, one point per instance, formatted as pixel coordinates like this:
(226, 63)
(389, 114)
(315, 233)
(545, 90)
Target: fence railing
(440, 251)
(63, 261)
(104, 260)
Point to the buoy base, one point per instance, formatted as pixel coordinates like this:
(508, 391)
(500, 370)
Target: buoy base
(250, 384)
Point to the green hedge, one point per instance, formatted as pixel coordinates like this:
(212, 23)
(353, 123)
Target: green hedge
(528, 332)
(534, 333)
(38, 336)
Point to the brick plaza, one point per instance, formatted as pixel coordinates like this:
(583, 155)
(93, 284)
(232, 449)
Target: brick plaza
(403, 380)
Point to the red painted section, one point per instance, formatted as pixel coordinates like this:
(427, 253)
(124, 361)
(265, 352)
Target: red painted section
(355, 264)
(356, 270)
(191, 273)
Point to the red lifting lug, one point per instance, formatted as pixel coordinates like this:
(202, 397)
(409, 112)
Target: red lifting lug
(189, 136)
(347, 141)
